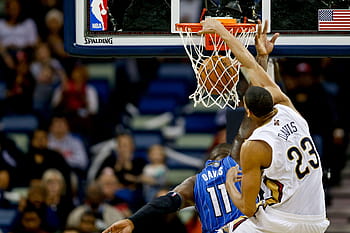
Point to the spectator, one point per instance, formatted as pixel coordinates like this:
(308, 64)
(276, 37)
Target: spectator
(17, 32)
(38, 9)
(88, 223)
(54, 37)
(20, 87)
(110, 186)
(36, 200)
(12, 163)
(48, 73)
(126, 166)
(42, 58)
(30, 222)
(94, 202)
(72, 148)
(57, 200)
(40, 158)
(122, 160)
(154, 173)
(77, 100)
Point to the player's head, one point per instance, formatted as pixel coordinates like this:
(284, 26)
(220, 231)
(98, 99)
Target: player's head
(258, 101)
(220, 151)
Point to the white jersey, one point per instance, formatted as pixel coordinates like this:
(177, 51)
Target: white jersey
(293, 182)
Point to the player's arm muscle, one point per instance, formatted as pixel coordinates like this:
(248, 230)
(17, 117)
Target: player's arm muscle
(185, 189)
(254, 156)
(245, 130)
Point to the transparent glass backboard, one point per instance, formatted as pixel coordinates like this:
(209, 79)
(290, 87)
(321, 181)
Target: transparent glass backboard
(309, 27)
(146, 28)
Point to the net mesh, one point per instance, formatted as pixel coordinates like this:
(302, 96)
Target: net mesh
(216, 78)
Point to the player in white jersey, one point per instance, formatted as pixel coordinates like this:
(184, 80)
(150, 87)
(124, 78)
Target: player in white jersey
(279, 157)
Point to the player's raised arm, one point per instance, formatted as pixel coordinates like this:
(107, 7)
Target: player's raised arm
(251, 69)
(264, 46)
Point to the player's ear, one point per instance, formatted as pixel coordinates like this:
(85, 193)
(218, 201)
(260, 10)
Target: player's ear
(249, 113)
(246, 108)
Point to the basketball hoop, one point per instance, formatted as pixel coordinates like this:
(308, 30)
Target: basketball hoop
(201, 48)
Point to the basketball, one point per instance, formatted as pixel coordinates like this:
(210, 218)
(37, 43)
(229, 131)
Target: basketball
(217, 74)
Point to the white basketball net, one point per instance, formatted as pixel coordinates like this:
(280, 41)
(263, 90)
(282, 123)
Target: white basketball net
(196, 51)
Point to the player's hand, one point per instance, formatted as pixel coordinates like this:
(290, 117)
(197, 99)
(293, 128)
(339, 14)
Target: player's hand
(121, 226)
(234, 174)
(210, 25)
(262, 44)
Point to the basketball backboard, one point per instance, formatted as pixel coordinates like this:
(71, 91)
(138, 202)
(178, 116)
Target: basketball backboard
(122, 28)
(309, 27)
(140, 28)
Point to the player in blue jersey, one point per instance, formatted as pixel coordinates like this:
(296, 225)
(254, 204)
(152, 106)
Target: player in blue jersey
(212, 202)
(206, 190)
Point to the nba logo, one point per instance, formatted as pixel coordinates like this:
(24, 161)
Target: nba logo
(98, 15)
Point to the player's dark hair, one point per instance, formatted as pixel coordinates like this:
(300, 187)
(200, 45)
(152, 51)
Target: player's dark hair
(258, 100)
(220, 151)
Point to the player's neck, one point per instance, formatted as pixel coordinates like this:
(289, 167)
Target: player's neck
(264, 119)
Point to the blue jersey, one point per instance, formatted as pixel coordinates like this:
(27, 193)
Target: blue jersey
(212, 201)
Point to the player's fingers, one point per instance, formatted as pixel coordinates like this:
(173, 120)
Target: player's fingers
(232, 172)
(205, 31)
(274, 38)
(202, 31)
(238, 178)
(259, 28)
(266, 26)
(238, 168)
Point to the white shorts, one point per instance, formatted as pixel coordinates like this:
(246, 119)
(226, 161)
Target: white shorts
(274, 221)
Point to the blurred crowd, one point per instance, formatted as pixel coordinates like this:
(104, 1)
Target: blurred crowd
(64, 191)
(47, 184)
(318, 88)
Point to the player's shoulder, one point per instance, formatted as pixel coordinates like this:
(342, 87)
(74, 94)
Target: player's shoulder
(289, 111)
(255, 146)
(256, 152)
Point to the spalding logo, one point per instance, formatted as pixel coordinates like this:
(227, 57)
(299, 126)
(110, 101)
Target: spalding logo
(98, 40)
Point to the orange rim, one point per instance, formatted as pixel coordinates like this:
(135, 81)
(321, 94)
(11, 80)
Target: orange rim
(235, 27)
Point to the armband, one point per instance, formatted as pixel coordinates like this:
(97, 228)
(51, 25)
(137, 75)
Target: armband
(169, 203)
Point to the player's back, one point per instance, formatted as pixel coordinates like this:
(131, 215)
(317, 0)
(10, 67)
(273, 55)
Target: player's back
(293, 181)
(212, 201)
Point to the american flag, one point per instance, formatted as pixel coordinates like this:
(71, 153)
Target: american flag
(333, 20)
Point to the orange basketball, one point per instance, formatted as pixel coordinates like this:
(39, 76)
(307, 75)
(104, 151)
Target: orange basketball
(217, 74)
